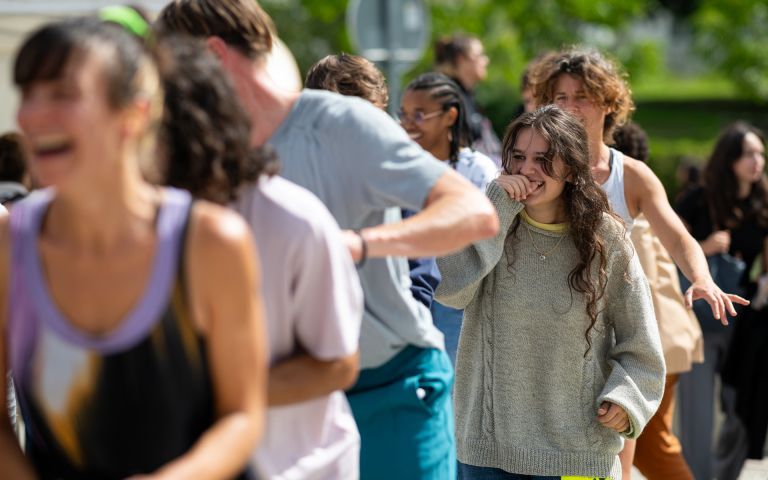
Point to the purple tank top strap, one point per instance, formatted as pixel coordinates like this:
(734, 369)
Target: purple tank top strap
(32, 305)
(22, 322)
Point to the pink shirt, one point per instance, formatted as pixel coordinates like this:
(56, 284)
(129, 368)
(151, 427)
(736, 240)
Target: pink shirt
(314, 304)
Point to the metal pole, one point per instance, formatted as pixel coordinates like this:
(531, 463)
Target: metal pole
(393, 64)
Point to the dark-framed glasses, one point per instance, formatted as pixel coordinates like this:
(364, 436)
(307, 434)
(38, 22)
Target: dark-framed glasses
(418, 117)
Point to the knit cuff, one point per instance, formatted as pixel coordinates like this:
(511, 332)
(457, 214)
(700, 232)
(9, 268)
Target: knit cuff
(506, 208)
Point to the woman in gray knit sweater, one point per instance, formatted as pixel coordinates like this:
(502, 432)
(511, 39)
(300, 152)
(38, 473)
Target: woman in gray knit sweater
(559, 355)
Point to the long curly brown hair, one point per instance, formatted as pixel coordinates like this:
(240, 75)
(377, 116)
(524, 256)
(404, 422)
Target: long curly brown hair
(585, 203)
(604, 82)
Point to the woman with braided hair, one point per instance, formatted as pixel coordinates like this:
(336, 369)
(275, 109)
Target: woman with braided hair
(434, 114)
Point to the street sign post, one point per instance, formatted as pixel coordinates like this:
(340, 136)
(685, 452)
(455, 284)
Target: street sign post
(392, 33)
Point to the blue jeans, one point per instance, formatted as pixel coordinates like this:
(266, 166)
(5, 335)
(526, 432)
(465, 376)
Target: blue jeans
(404, 413)
(471, 472)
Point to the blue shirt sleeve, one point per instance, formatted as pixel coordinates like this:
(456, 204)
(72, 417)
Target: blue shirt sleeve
(425, 276)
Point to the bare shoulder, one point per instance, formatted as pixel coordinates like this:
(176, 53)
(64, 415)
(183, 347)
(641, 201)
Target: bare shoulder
(639, 177)
(220, 259)
(220, 247)
(216, 229)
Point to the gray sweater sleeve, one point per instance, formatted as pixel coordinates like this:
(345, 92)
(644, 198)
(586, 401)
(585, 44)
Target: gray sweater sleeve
(462, 272)
(636, 378)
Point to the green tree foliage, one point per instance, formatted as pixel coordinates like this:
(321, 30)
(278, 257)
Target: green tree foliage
(732, 35)
(513, 32)
(312, 29)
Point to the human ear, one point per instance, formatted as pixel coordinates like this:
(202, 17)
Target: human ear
(451, 115)
(218, 47)
(136, 118)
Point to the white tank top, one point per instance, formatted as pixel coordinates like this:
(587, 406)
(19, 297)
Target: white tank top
(614, 188)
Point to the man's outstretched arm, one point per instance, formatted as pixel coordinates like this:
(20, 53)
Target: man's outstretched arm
(455, 214)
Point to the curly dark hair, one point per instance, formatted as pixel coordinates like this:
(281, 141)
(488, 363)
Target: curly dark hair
(631, 140)
(721, 184)
(350, 75)
(586, 204)
(604, 82)
(205, 132)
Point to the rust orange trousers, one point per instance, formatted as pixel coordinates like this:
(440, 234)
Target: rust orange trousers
(658, 454)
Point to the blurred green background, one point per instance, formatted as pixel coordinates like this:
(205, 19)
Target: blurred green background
(694, 65)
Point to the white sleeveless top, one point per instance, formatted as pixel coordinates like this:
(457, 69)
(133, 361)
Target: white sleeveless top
(614, 188)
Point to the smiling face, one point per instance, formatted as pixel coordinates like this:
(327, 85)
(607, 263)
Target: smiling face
(433, 131)
(570, 95)
(530, 158)
(748, 169)
(69, 126)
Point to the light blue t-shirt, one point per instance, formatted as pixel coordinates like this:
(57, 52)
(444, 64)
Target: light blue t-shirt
(361, 164)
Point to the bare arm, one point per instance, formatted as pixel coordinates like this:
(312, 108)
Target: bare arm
(223, 278)
(303, 378)
(15, 465)
(647, 192)
(455, 214)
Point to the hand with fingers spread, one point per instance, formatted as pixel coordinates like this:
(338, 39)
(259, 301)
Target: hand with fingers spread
(517, 186)
(720, 302)
(613, 416)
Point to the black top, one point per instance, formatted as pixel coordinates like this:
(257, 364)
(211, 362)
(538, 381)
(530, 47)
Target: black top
(746, 239)
(474, 114)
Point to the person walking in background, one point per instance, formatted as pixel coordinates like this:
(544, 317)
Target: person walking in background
(463, 59)
(658, 454)
(728, 214)
(559, 355)
(357, 76)
(434, 114)
(312, 295)
(360, 164)
(132, 319)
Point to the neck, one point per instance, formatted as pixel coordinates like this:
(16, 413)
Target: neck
(599, 153)
(266, 104)
(745, 188)
(467, 83)
(547, 214)
(442, 152)
(101, 217)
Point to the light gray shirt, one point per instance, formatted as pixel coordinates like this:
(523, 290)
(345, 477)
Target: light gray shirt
(360, 163)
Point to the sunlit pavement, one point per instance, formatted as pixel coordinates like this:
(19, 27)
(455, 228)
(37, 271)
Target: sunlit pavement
(753, 470)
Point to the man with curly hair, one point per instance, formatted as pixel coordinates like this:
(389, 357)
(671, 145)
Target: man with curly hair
(594, 89)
